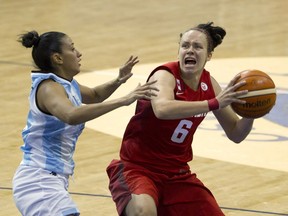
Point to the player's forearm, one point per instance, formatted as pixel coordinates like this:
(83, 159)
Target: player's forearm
(84, 113)
(105, 90)
(179, 109)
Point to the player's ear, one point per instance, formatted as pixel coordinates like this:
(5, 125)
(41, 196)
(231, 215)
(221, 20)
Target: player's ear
(56, 58)
(209, 56)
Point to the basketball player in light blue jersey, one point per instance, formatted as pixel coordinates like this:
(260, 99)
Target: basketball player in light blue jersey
(56, 119)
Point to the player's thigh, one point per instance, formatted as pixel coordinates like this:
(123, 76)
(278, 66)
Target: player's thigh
(186, 194)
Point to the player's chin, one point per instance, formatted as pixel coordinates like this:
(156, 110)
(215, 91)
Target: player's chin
(190, 68)
(77, 71)
(187, 70)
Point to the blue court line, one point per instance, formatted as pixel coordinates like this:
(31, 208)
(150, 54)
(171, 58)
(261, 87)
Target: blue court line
(227, 208)
(279, 113)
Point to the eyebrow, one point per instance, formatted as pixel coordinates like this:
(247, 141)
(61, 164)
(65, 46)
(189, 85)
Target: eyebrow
(193, 42)
(71, 45)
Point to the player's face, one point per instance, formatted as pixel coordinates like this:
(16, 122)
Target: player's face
(193, 52)
(71, 57)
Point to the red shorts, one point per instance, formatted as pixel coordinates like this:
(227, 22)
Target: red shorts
(176, 195)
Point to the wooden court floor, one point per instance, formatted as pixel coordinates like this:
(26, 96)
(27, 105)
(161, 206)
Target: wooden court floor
(247, 179)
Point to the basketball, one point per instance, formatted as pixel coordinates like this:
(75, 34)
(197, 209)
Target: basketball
(261, 96)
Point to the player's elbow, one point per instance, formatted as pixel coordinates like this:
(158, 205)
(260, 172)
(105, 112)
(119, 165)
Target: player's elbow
(236, 139)
(72, 121)
(161, 113)
(71, 118)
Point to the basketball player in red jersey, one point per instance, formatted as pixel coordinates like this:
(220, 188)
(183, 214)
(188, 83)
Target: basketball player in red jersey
(152, 176)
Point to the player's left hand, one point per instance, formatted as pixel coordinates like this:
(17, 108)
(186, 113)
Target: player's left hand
(125, 71)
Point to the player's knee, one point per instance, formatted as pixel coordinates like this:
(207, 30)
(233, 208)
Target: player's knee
(141, 205)
(141, 210)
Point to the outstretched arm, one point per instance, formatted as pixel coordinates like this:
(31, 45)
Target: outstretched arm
(52, 98)
(104, 91)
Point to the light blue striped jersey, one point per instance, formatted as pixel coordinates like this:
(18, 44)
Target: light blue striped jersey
(49, 143)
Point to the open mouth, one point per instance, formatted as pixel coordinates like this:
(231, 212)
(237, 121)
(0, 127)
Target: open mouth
(190, 61)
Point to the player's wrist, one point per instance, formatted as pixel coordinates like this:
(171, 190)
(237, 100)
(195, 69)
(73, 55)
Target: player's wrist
(213, 104)
(118, 81)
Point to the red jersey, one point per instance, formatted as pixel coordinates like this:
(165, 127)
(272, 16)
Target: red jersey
(165, 145)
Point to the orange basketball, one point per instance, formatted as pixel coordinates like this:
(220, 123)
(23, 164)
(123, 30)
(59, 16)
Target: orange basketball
(261, 96)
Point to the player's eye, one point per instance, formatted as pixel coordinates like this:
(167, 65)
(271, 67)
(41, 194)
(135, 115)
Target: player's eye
(185, 45)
